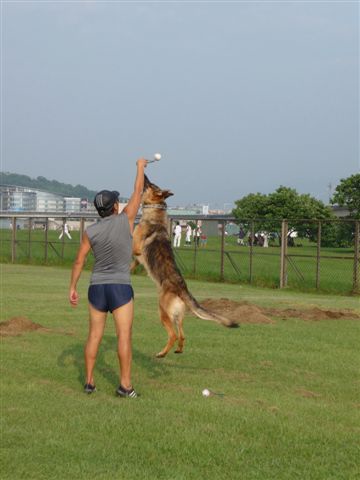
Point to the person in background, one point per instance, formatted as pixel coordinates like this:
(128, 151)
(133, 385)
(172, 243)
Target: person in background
(197, 235)
(188, 235)
(65, 229)
(177, 237)
(203, 240)
(241, 236)
(266, 240)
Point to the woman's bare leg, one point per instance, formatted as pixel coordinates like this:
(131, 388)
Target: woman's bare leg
(97, 321)
(123, 317)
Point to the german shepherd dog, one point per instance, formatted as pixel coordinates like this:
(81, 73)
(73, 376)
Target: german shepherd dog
(152, 249)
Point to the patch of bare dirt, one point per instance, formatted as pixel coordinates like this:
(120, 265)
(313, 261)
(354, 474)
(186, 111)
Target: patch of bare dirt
(244, 312)
(313, 314)
(240, 312)
(18, 325)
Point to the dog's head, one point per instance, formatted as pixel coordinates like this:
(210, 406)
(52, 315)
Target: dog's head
(153, 194)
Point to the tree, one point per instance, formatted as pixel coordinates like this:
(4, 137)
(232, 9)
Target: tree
(42, 183)
(347, 194)
(284, 203)
(254, 205)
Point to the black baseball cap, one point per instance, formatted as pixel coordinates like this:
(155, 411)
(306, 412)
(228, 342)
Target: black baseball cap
(104, 201)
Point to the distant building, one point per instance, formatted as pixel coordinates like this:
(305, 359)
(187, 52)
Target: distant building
(340, 212)
(17, 199)
(189, 210)
(205, 210)
(14, 198)
(72, 204)
(48, 202)
(84, 204)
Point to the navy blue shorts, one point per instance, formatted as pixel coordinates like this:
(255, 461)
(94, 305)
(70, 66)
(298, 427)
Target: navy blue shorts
(109, 296)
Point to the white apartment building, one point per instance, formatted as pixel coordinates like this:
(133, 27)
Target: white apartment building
(14, 198)
(72, 204)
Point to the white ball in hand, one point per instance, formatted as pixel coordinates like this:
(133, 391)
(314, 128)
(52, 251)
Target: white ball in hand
(157, 156)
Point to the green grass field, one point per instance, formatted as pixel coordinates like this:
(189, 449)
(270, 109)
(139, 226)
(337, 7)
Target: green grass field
(290, 408)
(336, 265)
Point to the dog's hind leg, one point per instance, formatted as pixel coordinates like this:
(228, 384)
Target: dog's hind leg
(168, 325)
(134, 264)
(179, 317)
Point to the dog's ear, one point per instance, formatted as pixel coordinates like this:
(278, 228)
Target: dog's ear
(167, 193)
(147, 182)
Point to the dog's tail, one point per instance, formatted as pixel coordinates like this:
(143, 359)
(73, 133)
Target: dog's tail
(204, 314)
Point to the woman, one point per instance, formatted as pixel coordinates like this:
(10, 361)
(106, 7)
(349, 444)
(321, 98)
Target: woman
(110, 289)
(188, 235)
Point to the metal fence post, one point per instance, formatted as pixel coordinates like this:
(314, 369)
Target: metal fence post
(63, 238)
(29, 236)
(82, 228)
(195, 249)
(318, 252)
(283, 258)
(222, 250)
(356, 257)
(252, 234)
(46, 239)
(13, 240)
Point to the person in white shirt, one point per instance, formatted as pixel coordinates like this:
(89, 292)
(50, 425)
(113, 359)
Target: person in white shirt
(266, 240)
(177, 237)
(188, 235)
(65, 230)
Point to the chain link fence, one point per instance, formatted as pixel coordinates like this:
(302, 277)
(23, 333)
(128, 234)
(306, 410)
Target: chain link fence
(305, 255)
(41, 239)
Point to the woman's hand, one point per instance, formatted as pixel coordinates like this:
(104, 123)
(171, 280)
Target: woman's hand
(73, 297)
(142, 163)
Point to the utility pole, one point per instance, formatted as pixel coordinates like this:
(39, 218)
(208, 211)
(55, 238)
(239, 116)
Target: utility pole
(330, 191)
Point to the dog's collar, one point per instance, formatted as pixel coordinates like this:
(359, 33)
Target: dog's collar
(156, 205)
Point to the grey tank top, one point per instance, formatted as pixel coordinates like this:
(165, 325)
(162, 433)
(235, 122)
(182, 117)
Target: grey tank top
(111, 243)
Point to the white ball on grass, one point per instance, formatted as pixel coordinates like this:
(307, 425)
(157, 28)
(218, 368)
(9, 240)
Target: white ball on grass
(206, 392)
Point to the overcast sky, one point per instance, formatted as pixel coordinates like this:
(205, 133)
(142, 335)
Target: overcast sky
(238, 97)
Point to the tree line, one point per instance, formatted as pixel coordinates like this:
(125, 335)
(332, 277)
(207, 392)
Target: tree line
(42, 183)
(287, 203)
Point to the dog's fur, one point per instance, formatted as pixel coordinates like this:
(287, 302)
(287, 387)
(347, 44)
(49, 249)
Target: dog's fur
(152, 248)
